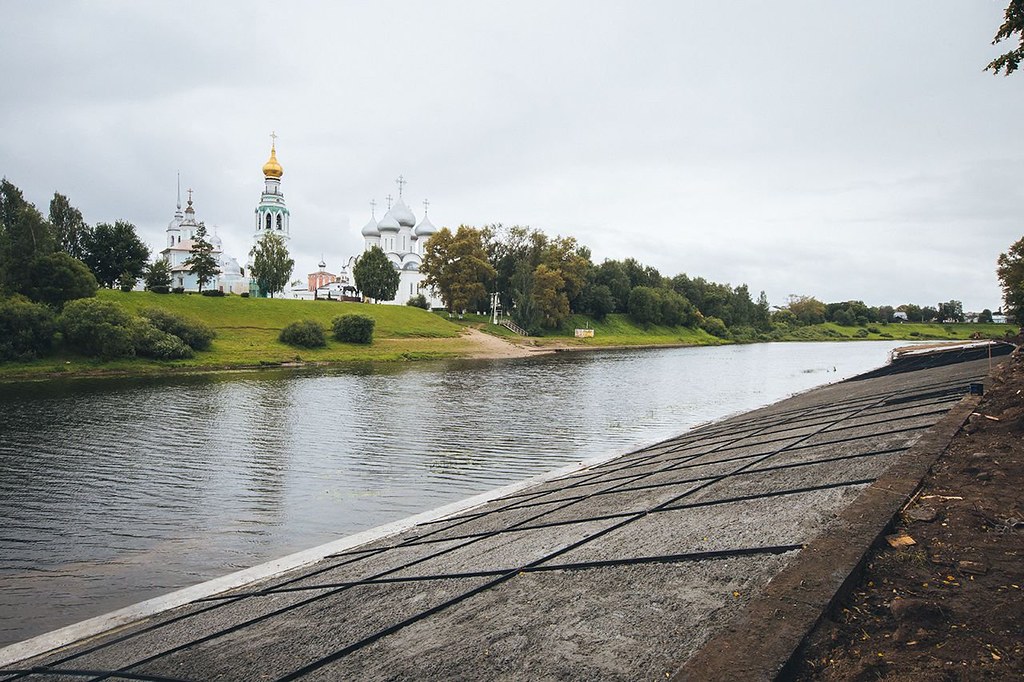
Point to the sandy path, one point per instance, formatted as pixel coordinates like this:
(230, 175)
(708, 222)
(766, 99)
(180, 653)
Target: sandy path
(488, 346)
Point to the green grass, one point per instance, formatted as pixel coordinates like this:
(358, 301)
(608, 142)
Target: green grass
(247, 330)
(900, 332)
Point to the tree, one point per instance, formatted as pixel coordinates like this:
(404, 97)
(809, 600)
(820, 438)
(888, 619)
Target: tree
(115, 251)
(806, 309)
(457, 267)
(375, 275)
(951, 311)
(158, 276)
(201, 261)
(69, 228)
(549, 297)
(56, 278)
(1011, 278)
(985, 316)
(24, 235)
(271, 264)
(644, 306)
(1013, 24)
(597, 301)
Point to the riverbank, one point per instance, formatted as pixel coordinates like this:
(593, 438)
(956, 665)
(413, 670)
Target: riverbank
(641, 559)
(247, 331)
(942, 600)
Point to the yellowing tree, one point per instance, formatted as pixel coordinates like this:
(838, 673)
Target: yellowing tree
(456, 266)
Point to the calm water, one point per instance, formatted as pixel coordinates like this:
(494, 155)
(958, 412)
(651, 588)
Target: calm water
(115, 491)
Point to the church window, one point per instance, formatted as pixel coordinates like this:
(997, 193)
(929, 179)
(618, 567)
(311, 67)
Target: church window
(279, 221)
(268, 221)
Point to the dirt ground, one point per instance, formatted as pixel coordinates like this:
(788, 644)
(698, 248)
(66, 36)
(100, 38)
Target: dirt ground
(941, 597)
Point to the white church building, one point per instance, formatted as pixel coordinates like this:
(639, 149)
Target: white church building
(402, 240)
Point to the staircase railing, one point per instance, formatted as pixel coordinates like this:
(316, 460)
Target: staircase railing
(512, 326)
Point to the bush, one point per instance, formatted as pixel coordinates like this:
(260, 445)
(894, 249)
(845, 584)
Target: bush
(97, 328)
(213, 292)
(26, 329)
(178, 290)
(57, 278)
(160, 289)
(353, 328)
(419, 301)
(304, 334)
(244, 294)
(915, 333)
(875, 330)
(861, 333)
(150, 342)
(195, 335)
(715, 327)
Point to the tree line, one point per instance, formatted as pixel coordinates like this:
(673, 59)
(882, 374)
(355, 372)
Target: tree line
(542, 281)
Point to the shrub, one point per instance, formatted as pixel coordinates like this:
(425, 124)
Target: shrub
(97, 328)
(304, 334)
(160, 289)
(419, 301)
(26, 329)
(150, 342)
(915, 333)
(244, 294)
(353, 328)
(861, 333)
(195, 335)
(874, 330)
(57, 278)
(213, 292)
(178, 290)
(715, 327)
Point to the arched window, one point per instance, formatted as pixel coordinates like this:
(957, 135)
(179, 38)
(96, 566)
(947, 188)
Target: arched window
(279, 221)
(268, 221)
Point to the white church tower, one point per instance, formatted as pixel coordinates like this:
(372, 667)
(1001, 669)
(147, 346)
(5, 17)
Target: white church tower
(272, 214)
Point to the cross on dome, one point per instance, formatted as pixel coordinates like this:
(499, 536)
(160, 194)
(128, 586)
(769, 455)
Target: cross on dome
(388, 199)
(273, 138)
(373, 208)
(401, 183)
(426, 205)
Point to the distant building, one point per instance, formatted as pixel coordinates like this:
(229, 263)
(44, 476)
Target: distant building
(402, 240)
(900, 316)
(272, 214)
(181, 232)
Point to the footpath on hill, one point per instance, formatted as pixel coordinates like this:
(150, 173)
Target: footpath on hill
(941, 596)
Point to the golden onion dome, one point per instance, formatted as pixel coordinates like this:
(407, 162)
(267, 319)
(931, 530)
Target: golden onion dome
(272, 169)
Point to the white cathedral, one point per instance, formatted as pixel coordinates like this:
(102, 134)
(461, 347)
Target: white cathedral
(402, 240)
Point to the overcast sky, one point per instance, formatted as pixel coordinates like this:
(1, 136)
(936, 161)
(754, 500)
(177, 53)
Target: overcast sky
(836, 149)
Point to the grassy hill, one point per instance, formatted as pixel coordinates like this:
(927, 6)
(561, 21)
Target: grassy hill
(247, 330)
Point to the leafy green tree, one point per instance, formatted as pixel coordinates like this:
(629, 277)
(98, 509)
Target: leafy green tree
(201, 261)
(763, 313)
(806, 309)
(597, 301)
(24, 235)
(114, 252)
(885, 314)
(457, 267)
(929, 314)
(56, 278)
(271, 264)
(375, 275)
(951, 311)
(1013, 24)
(418, 301)
(644, 306)
(1011, 278)
(69, 228)
(985, 316)
(612, 274)
(158, 276)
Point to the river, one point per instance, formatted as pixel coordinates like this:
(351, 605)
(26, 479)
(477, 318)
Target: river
(117, 490)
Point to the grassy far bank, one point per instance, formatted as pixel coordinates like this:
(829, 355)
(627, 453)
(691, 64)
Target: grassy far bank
(619, 330)
(247, 331)
(247, 335)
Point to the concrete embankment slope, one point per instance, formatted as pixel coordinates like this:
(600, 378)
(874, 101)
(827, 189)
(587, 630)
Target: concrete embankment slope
(707, 556)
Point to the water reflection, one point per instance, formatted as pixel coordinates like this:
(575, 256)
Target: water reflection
(113, 491)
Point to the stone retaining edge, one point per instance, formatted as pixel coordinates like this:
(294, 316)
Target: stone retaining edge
(764, 641)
